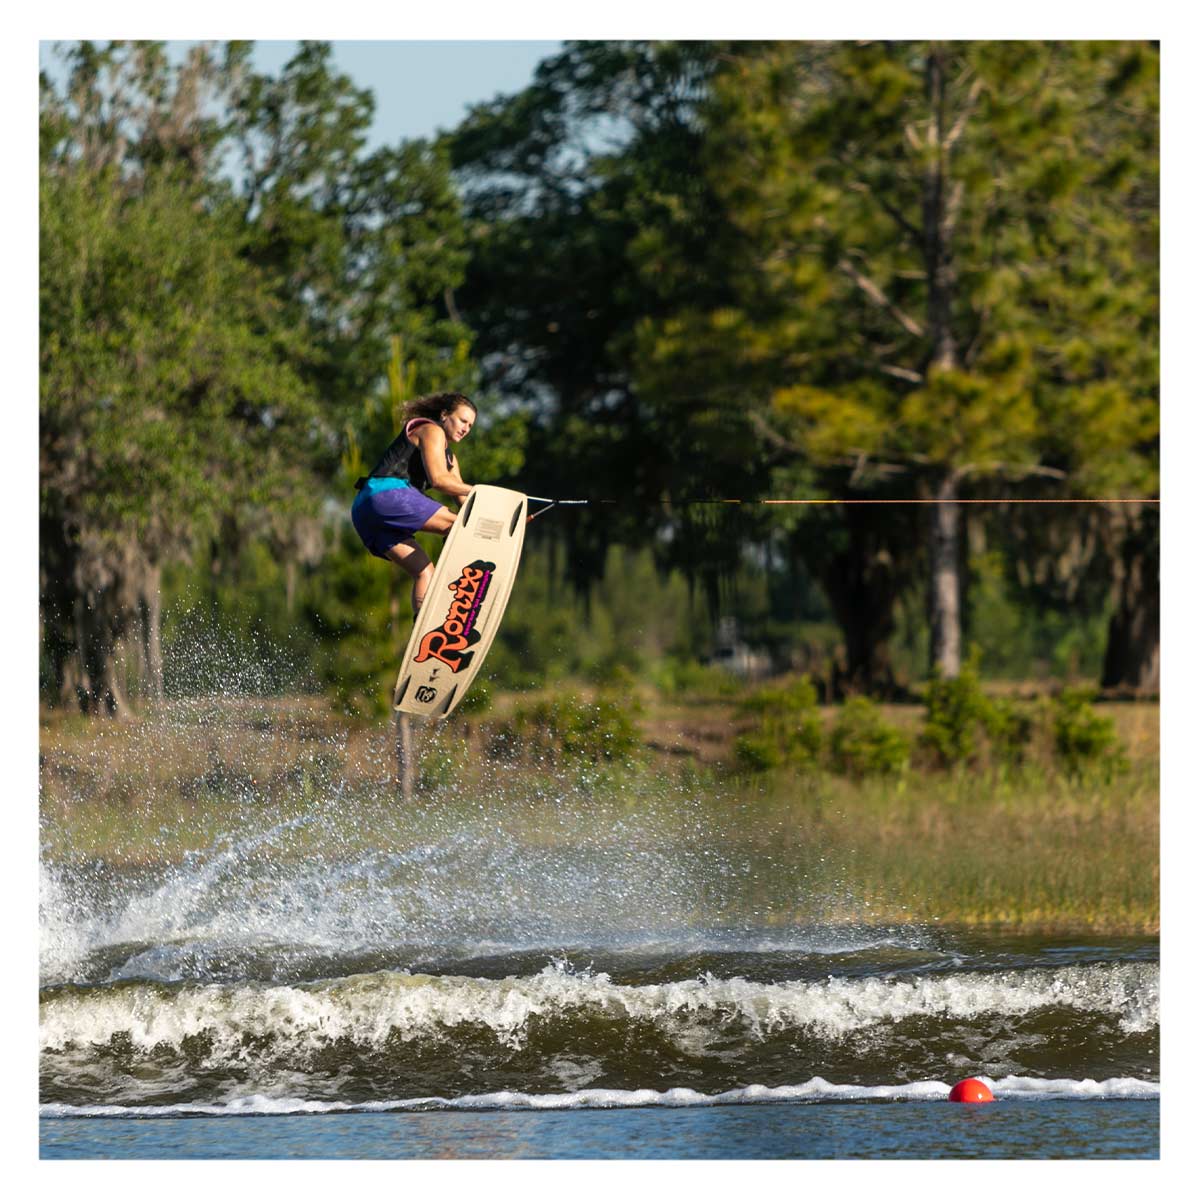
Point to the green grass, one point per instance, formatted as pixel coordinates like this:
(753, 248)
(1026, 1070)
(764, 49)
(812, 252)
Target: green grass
(1019, 847)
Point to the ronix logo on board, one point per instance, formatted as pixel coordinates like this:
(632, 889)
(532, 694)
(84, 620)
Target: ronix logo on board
(450, 642)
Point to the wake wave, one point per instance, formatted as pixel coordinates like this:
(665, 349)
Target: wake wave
(374, 1009)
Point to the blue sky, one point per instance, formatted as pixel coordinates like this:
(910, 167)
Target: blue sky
(423, 87)
(420, 87)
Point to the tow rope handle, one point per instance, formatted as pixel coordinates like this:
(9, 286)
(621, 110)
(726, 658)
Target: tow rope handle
(549, 504)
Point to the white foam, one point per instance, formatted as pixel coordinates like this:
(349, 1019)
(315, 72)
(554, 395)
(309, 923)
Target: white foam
(1015, 1087)
(815, 1091)
(65, 935)
(466, 888)
(368, 1009)
(223, 902)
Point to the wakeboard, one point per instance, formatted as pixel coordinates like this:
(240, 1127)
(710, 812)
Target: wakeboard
(465, 603)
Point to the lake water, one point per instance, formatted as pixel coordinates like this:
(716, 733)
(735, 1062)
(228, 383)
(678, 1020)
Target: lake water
(425, 983)
(1018, 1129)
(812, 1044)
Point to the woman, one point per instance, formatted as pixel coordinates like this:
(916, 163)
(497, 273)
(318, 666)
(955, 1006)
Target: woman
(391, 504)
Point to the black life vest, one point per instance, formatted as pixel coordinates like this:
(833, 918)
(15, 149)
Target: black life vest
(403, 460)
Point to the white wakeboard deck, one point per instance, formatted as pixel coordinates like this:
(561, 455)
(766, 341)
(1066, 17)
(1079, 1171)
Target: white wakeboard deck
(464, 604)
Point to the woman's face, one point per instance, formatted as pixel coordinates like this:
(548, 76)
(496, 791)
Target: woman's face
(457, 424)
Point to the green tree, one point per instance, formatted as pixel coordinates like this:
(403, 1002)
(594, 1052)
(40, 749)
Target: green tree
(359, 247)
(364, 251)
(216, 324)
(585, 206)
(593, 230)
(946, 275)
(166, 395)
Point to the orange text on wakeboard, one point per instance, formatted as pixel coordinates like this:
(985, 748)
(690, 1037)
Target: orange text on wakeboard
(450, 642)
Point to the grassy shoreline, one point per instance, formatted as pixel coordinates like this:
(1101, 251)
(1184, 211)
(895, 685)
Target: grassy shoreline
(1018, 848)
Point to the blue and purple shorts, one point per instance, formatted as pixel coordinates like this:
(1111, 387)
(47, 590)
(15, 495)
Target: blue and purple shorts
(388, 511)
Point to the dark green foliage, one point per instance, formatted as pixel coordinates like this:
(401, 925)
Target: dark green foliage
(1031, 615)
(1085, 741)
(795, 269)
(351, 615)
(1009, 729)
(863, 743)
(208, 338)
(360, 247)
(799, 696)
(568, 727)
(788, 731)
(758, 752)
(240, 631)
(478, 699)
(923, 231)
(963, 724)
(589, 211)
(861, 269)
(634, 616)
(684, 679)
(955, 711)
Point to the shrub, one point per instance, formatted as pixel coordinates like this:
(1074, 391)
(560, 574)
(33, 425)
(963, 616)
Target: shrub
(1083, 739)
(440, 765)
(863, 743)
(955, 710)
(478, 699)
(754, 752)
(788, 732)
(1009, 729)
(688, 679)
(569, 727)
(962, 723)
(797, 697)
(611, 671)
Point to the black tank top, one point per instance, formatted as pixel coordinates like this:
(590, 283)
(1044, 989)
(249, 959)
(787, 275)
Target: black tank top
(403, 460)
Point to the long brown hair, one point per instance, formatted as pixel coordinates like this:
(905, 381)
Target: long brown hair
(437, 405)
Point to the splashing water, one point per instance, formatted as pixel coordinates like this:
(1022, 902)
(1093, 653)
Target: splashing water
(312, 859)
(291, 937)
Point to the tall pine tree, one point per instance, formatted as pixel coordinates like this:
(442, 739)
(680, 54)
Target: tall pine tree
(947, 273)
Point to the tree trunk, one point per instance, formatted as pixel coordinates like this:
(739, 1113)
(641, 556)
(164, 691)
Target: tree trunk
(152, 617)
(863, 583)
(57, 608)
(938, 221)
(99, 690)
(1131, 658)
(58, 650)
(945, 584)
(945, 533)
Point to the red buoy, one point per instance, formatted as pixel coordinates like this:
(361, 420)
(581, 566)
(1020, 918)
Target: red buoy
(971, 1091)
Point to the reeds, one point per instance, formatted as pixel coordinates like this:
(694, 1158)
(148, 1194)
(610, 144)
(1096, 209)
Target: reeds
(1018, 845)
(1019, 848)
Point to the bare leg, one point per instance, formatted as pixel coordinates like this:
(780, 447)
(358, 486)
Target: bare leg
(440, 522)
(414, 561)
(416, 564)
